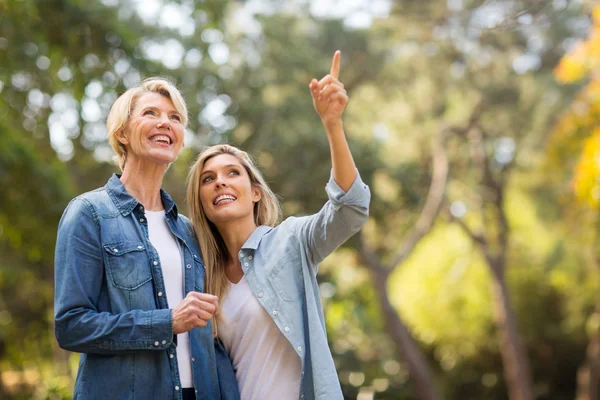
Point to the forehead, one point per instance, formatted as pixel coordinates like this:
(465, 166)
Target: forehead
(152, 99)
(221, 161)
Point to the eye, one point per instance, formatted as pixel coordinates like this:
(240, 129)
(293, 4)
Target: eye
(234, 172)
(148, 112)
(207, 179)
(176, 117)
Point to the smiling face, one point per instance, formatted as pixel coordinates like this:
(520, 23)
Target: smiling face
(226, 192)
(155, 131)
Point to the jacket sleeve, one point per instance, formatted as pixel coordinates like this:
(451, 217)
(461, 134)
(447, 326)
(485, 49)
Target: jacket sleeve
(79, 279)
(228, 385)
(342, 216)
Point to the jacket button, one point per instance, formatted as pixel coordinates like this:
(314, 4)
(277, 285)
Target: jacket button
(159, 294)
(260, 294)
(188, 266)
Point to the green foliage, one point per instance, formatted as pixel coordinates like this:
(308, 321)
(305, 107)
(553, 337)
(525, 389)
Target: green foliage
(424, 66)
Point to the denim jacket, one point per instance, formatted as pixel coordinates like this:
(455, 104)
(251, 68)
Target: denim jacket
(111, 306)
(281, 265)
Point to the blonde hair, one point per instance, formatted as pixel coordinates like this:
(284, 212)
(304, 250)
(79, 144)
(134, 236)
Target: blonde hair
(120, 112)
(214, 252)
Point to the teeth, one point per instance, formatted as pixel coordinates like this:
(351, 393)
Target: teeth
(224, 197)
(161, 138)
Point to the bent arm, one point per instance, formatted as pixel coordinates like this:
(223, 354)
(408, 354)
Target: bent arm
(81, 324)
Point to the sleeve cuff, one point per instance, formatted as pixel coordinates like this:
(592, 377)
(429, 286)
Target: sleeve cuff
(161, 326)
(358, 193)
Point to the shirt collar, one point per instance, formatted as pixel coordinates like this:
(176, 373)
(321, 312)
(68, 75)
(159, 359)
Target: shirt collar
(256, 236)
(127, 203)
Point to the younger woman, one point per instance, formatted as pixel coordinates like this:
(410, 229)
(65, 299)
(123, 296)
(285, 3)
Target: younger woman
(271, 319)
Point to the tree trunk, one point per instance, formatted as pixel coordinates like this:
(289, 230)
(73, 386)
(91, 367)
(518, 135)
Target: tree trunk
(588, 373)
(514, 359)
(406, 347)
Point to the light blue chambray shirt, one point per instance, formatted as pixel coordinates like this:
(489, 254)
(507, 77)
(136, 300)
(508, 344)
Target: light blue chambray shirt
(281, 265)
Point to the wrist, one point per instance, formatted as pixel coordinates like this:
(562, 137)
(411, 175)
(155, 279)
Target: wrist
(332, 126)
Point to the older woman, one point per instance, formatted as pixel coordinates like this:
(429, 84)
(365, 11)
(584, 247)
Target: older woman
(271, 318)
(129, 287)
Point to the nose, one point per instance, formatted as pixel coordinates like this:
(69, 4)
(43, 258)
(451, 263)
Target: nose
(164, 122)
(219, 181)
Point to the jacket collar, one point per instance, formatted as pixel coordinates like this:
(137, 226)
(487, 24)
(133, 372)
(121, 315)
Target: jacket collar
(256, 236)
(126, 203)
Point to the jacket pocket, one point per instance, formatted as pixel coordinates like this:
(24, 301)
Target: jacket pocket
(128, 265)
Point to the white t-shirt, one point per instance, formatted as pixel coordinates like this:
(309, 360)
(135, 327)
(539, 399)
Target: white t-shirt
(172, 269)
(267, 367)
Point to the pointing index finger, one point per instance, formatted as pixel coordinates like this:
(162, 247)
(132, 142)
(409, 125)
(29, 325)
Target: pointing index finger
(335, 64)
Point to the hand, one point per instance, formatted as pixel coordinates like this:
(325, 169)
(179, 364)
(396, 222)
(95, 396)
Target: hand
(328, 94)
(194, 312)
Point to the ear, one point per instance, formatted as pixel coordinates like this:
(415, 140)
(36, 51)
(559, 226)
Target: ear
(256, 194)
(122, 138)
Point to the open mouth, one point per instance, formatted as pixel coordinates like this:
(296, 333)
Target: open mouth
(224, 199)
(164, 139)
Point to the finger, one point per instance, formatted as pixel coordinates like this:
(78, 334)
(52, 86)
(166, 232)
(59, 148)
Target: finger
(328, 80)
(331, 89)
(209, 307)
(335, 64)
(204, 316)
(314, 88)
(209, 298)
(340, 97)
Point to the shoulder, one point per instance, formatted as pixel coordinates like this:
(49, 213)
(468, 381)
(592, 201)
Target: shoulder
(82, 208)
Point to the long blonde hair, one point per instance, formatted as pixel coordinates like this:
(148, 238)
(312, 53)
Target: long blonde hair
(267, 211)
(120, 112)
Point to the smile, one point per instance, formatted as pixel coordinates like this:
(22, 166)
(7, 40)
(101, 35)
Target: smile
(161, 139)
(224, 199)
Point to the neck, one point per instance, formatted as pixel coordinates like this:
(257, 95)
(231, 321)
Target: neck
(143, 183)
(234, 234)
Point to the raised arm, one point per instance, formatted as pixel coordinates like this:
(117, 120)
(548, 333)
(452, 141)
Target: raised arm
(330, 100)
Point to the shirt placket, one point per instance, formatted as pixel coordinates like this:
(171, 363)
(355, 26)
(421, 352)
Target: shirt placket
(246, 259)
(160, 293)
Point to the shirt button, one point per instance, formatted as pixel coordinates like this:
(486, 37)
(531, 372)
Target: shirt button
(171, 356)
(176, 387)
(164, 342)
(274, 312)
(195, 256)
(249, 257)
(155, 263)
(156, 343)
(159, 294)
(246, 264)
(193, 359)
(140, 247)
(116, 250)
(188, 266)
(260, 294)
(286, 329)
(302, 372)
(299, 348)
(141, 219)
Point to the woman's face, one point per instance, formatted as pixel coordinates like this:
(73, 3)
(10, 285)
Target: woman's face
(155, 132)
(226, 192)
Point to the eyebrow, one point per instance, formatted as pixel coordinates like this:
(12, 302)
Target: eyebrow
(173, 111)
(224, 167)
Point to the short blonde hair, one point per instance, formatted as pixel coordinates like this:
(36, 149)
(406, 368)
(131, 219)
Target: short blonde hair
(267, 211)
(120, 112)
